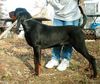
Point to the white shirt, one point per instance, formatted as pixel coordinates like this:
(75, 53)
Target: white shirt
(66, 10)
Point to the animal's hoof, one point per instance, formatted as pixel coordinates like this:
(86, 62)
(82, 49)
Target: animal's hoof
(37, 74)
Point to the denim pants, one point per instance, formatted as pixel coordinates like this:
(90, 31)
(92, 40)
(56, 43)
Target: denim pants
(66, 51)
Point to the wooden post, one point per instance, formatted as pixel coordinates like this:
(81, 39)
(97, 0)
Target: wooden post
(8, 29)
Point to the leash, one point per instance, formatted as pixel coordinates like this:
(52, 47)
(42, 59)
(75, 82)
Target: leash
(28, 19)
(61, 51)
(78, 2)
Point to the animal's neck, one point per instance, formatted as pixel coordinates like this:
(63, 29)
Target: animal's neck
(27, 17)
(24, 22)
(25, 25)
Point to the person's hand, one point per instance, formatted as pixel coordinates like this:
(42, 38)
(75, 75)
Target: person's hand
(47, 2)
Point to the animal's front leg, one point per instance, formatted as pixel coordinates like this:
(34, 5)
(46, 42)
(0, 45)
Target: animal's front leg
(37, 60)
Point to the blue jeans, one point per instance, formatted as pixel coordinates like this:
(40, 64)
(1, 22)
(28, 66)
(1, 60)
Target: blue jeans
(67, 50)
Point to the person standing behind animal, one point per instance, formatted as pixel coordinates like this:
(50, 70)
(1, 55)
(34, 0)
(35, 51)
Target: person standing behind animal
(66, 12)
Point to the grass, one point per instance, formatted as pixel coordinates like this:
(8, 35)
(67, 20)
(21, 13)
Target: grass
(16, 65)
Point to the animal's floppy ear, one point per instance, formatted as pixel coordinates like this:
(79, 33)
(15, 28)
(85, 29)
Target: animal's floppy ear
(17, 14)
(18, 24)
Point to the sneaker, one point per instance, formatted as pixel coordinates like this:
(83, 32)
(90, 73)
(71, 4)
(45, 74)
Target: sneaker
(52, 63)
(63, 65)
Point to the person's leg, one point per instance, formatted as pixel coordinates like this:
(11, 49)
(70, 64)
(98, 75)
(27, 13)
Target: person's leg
(67, 50)
(55, 51)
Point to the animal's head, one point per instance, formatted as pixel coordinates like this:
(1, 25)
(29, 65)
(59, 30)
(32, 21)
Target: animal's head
(12, 16)
(21, 15)
(21, 12)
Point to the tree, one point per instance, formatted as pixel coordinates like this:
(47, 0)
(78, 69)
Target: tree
(1, 13)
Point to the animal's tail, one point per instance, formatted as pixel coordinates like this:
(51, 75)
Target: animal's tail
(84, 17)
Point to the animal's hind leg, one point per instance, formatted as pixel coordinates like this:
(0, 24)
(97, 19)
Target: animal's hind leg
(81, 48)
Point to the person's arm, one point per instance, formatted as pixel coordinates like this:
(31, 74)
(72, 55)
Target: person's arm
(56, 4)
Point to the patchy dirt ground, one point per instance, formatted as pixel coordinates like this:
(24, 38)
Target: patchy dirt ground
(16, 65)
